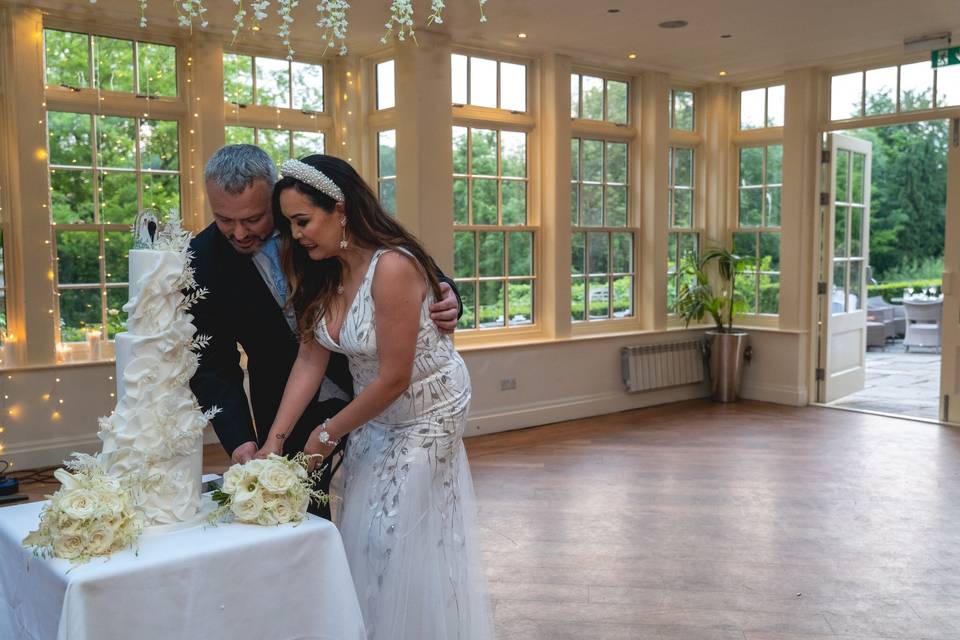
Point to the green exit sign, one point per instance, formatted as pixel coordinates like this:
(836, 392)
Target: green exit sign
(945, 57)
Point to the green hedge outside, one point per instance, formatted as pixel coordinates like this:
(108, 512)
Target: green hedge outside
(890, 290)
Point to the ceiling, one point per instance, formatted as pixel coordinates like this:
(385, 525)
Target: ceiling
(767, 37)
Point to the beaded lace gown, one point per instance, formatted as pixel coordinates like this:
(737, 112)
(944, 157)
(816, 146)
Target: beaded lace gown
(409, 513)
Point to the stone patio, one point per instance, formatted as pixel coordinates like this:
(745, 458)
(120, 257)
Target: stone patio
(899, 382)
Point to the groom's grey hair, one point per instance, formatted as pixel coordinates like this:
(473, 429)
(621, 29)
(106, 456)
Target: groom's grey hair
(237, 166)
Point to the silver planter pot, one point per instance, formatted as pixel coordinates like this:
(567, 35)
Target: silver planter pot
(727, 353)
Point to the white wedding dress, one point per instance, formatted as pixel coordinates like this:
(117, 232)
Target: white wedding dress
(408, 519)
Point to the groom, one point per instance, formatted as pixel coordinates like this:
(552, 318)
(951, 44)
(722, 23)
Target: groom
(237, 259)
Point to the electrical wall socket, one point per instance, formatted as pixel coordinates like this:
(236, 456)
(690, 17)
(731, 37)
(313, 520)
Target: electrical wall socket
(508, 384)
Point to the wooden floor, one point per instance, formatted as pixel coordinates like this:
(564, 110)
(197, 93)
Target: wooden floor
(698, 521)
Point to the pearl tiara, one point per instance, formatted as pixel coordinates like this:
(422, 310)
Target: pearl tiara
(312, 176)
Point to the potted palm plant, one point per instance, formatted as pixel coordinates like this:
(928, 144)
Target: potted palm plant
(726, 347)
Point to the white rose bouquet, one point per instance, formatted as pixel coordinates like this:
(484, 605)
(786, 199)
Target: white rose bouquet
(92, 514)
(270, 491)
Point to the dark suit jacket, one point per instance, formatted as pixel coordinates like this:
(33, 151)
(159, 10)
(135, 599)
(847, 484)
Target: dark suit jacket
(239, 308)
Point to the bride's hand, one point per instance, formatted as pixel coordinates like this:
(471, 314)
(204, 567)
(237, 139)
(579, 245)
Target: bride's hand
(271, 446)
(314, 447)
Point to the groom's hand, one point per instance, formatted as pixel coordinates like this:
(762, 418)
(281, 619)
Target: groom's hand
(244, 453)
(444, 312)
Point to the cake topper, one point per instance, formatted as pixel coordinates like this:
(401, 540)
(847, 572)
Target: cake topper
(146, 226)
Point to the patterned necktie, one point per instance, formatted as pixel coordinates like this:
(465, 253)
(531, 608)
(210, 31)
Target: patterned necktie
(271, 249)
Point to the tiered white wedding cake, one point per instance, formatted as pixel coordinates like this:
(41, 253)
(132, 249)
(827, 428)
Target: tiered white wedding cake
(155, 432)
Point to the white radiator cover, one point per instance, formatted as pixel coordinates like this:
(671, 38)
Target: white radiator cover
(655, 366)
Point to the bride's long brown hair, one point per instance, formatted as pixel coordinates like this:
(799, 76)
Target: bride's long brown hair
(314, 283)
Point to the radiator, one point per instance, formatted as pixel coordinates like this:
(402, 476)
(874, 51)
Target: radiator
(654, 366)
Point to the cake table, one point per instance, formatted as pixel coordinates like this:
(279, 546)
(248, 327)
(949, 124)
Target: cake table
(232, 581)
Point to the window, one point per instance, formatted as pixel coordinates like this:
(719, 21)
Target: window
(762, 108)
(493, 239)
(483, 82)
(593, 98)
(602, 262)
(683, 238)
(272, 82)
(758, 226)
(280, 144)
(387, 169)
(899, 88)
(103, 169)
(682, 109)
(82, 61)
(386, 85)
(849, 226)
(288, 92)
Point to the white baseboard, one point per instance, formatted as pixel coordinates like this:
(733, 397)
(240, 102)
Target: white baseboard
(53, 451)
(575, 408)
(50, 452)
(777, 394)
(45, 453)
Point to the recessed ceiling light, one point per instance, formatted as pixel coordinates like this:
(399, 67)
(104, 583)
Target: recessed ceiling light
(521, 35)
(632, 55)
(673, 24)
(723, 73)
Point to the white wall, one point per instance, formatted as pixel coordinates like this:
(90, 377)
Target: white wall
(555, 381)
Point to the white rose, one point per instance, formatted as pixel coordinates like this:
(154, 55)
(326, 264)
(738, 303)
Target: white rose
(111, 504)
(100, 539)
(247, 507)
(267, 518)
(68, 547)
(277, 478)
(66, 525)
(254, 467)
(233, 479)
(80, 503)
(283, 511)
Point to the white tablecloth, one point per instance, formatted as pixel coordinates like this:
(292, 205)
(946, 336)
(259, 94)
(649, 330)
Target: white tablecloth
(231, 581)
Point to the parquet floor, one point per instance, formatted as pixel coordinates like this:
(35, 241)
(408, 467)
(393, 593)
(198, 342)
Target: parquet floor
(698, 521)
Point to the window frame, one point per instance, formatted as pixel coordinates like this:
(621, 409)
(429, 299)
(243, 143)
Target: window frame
(290, 119)
(629, 227)
(935, 111)
(766, 86)
(475, 117)
(95, 103)
(467, 110)
(759, 230)
(752, 138)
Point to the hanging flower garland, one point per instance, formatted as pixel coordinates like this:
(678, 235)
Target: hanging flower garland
(332, 21)
(239, 19)
(284, 10)
(401, 15)
(259, 13)
(189, 11)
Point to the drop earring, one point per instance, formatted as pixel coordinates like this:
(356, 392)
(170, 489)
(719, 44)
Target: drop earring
(343, 234)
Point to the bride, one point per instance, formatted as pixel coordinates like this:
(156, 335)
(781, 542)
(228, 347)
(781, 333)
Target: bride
(361, 285)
